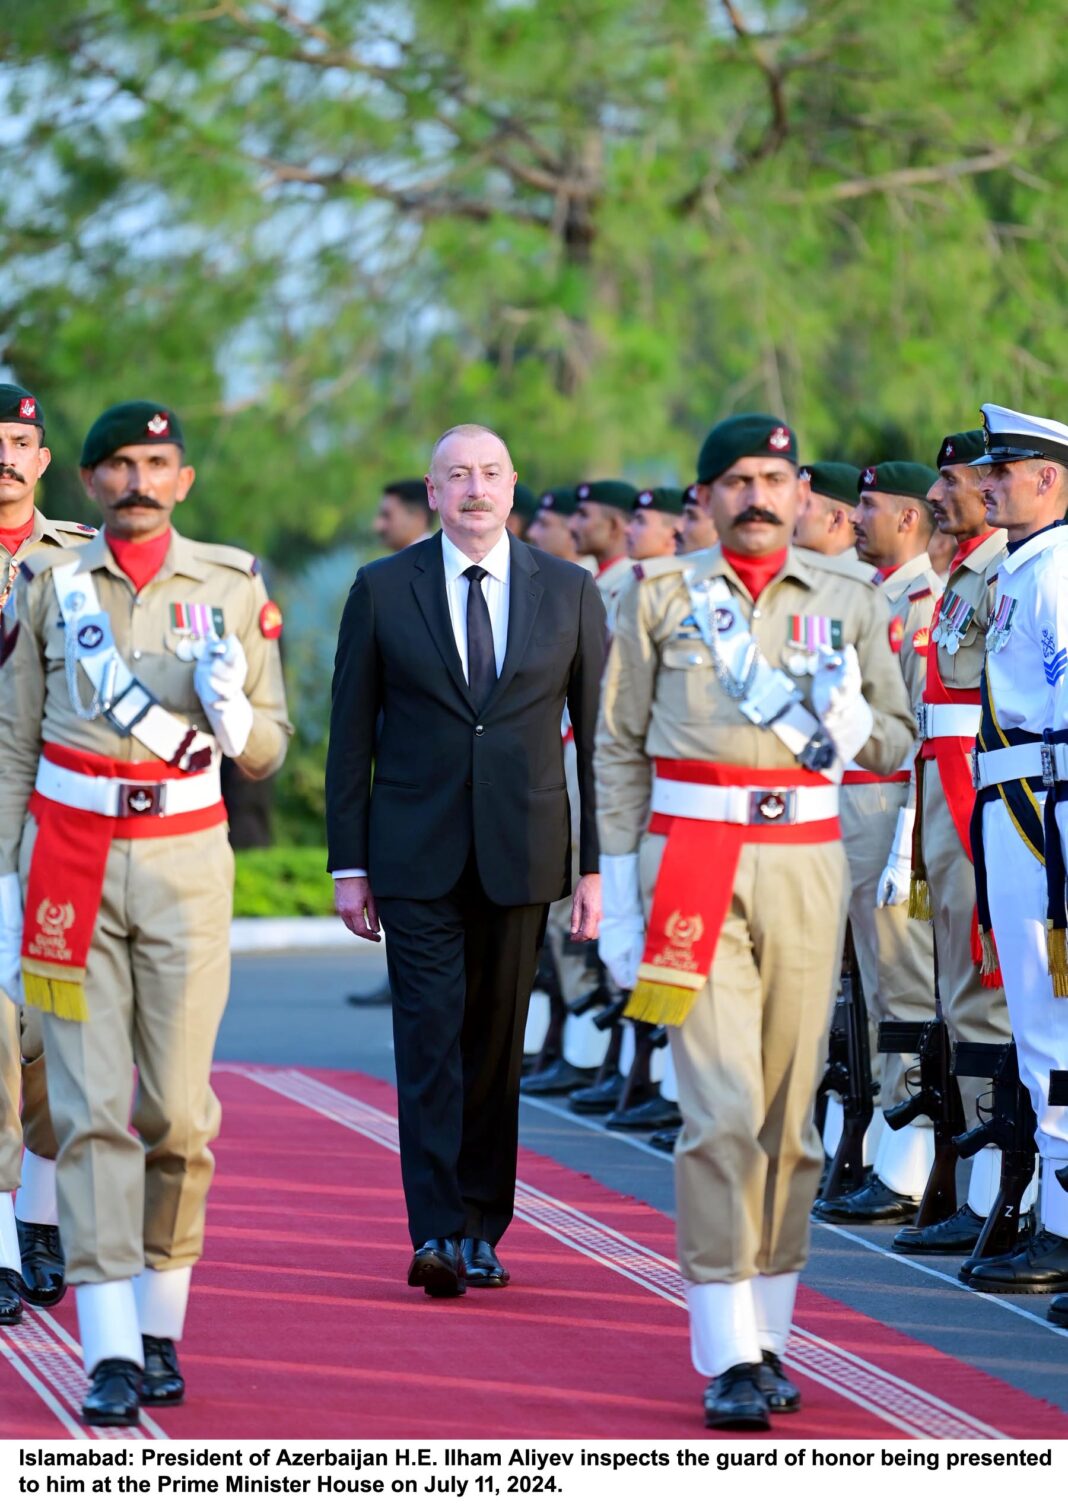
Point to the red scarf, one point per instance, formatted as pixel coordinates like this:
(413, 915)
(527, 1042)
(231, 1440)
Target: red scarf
(12, 539)
(756, 571)
(140, 560)
(965, 550)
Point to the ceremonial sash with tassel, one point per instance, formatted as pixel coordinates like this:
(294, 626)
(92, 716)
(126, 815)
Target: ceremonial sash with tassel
(66, 880)
(953, 757)
(695, 884)
(1021, 798)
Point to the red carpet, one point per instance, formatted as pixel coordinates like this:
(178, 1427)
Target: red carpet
(301, 1324)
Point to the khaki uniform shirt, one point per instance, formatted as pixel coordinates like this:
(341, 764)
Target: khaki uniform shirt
(35, 702)
(911, 594)
(662, 698)
(47, 534)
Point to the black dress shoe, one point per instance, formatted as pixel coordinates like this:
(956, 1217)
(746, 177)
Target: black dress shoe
(558, 1079)
(378, 995)
(664, 1140)
(783, 1397)
(1040, 1267)
(1057, 1314)
(162, 1381)
(43, 1268)
(873, 1204)
(652, 1115)
(595, 1100)
(438, 1267)
(484, 1268)
(113, 1393)
(735, 1401)
(957, 1233)
(10, 1300)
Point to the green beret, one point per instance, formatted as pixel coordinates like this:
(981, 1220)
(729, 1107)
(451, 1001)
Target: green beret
(961, 449)
(524, 501)
(744, 435)
(559, 500)
(690, 495)
(611, 494)
(17, 406)
(664, 499)
(904, 479)
(832, 479)
(136, 423)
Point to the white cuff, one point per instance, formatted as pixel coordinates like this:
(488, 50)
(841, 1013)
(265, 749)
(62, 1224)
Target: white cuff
(231, 722)
(10, 1255)
(773, 1300)
(162, 1296)
(723, 1326)
(621, 894)
(348, 874)
(36, 1198)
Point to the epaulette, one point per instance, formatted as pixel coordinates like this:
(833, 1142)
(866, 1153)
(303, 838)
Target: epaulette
(918, 594)
(849, 567)
(72, 526)
(659, 565)
(227, 555)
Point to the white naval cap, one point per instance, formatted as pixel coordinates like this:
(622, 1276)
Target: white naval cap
(1012, 436)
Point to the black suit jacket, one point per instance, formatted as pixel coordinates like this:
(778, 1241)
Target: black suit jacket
(446, 773)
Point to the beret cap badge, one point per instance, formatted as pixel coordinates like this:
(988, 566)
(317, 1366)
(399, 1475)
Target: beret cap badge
(159, 424)
(870, 476)
(27, 408)
(779, 439)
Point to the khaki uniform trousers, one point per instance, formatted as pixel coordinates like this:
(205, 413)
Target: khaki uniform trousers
(894, 953)
(972, 1013)
(157, 981)
(749, 1057)
(576, 975)
(22, 1073)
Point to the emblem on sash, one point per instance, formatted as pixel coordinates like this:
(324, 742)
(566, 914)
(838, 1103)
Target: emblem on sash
(1001, 624)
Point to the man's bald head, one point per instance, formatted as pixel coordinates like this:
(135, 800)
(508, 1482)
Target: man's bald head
(468, 432)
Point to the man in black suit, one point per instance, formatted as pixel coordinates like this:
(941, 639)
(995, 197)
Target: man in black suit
(468, 646)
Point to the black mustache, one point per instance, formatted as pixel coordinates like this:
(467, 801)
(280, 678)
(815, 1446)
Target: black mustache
(755, 515)
(9, 471)
(136, 500)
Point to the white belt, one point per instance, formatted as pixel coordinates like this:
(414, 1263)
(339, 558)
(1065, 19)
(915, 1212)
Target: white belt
(111, 797)
(948, 720)
(1024, 762)
(744, 804)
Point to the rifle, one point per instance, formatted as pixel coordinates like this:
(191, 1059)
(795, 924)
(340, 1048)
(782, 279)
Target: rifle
(1058, 1096)
(1011, 1127)
(851, 1077)
(938, 1097)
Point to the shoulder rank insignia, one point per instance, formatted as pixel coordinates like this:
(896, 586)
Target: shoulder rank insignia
(918, 594)
(1054, 660)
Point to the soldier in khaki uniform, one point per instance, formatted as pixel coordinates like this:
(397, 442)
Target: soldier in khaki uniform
(138, 659)
(825, 521)
(944, 882)
(738, 681)
(599, 529)
(29, 1236)
(654, 523)
(892, 523)
(696, 531)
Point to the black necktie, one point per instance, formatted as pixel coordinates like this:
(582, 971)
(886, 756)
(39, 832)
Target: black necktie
(481, 661)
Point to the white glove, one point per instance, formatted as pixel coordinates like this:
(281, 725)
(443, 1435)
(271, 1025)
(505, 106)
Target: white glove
(11, 936)
(893, 886)
(219, 681)
(838, 698)
(621, 941)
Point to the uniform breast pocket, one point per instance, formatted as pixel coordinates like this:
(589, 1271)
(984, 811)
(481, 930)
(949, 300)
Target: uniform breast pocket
(687, 679)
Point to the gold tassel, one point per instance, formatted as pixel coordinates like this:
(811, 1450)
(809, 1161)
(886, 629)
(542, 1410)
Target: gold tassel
(1057, 953)
(666, 1005)
(989, 964)
(63, 998)
(920, 898)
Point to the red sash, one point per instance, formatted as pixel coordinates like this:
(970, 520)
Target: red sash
(67, 876)
(953, 756)
(696, 881)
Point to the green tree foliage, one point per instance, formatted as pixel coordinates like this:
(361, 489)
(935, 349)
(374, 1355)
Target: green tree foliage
(324, 230)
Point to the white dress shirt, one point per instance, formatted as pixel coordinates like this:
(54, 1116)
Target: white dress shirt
(497, 564)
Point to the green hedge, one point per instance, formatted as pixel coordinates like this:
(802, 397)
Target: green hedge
(285, 881)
